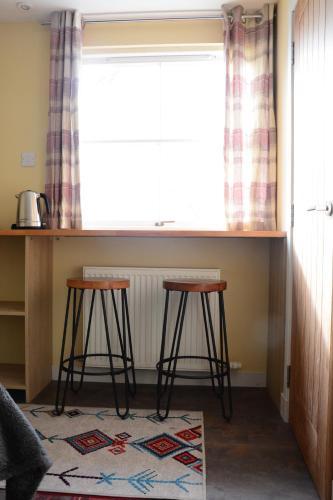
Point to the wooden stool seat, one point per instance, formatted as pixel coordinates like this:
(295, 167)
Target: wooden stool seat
(98, 283)
(190, 285)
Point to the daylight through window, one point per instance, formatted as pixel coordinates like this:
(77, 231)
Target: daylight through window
(151, 139)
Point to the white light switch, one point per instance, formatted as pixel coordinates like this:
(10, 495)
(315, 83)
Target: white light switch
(28, 159)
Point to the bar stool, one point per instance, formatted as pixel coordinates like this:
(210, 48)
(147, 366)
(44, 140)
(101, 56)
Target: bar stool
(123, 334)
(219, 366)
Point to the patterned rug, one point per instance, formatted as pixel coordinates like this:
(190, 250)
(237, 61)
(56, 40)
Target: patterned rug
(94, 452)
(60, 496)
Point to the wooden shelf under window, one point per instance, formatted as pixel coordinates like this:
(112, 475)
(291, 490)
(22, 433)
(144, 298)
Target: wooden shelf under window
(12, 376)
(11, 308)
(156, 232)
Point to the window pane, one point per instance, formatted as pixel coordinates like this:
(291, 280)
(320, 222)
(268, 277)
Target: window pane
(151, 136)
(119, 183)
(192, 103)
(192, 180)
(122, 101)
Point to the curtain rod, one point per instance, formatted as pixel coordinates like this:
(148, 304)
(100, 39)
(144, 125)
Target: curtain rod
(89, 19)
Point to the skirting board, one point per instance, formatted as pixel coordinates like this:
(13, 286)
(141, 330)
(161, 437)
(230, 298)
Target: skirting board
(238, 378)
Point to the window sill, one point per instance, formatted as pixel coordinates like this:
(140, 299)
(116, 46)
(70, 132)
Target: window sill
(144, 233)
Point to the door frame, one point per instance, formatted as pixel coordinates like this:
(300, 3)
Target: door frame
(289, 99)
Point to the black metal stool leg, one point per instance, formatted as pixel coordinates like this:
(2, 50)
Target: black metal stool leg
(73, 323)
(219, 370)
(207, 340)
(182, 306)
(92, 302)
(226, 363)
(70, 368)
(76, 315)
(112, 372)
(160, 364)
(121, 336)
(56, 406)
(124, 344)
(129, 333)
(133, 388)
(172, 351)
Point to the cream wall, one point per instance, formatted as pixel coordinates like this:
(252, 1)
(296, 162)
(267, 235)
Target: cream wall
(23, 124)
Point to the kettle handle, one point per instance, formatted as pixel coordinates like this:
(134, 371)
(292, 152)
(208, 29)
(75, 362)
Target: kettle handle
(47, 204)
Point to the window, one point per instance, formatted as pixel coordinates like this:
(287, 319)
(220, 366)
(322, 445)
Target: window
(151, 139)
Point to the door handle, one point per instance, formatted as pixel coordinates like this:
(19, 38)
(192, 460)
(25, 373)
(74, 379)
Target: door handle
(327, 208)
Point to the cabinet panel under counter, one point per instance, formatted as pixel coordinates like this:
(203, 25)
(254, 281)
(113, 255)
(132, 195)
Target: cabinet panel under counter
(26, 313)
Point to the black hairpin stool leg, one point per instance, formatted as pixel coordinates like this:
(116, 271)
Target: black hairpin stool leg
(227, 413)
(112, 369)
(85, 353)
(172, 359)
(70, 361)
(172, 351)
(123, 333)
(132, 387)
(209, 351)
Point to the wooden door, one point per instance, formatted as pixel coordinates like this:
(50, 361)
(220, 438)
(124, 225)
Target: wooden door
(312, 362)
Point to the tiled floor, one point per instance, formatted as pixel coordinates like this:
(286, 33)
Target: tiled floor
(255, 457)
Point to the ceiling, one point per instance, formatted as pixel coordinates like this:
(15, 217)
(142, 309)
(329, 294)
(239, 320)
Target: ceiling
(41, 9)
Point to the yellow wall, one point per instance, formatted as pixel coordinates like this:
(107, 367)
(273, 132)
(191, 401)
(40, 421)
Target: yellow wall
(185, 32)
(23, 123)
(24, 50)
(244, 265)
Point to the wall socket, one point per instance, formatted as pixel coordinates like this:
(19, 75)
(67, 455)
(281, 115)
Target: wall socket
(235, 365)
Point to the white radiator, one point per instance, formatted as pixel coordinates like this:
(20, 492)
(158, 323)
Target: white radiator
(146, 298)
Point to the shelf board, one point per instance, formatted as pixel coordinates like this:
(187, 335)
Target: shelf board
(12, 376)
(10, 308)
(148, 232)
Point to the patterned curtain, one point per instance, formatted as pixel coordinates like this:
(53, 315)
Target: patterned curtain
(250, 127)
(62, 165)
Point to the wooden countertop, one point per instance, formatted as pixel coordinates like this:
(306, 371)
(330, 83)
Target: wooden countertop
(142, 233)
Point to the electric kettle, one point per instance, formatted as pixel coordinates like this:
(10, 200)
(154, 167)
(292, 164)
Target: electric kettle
(29, 213)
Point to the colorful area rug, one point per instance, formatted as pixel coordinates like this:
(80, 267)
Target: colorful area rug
(94, 452)
(63, 496)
